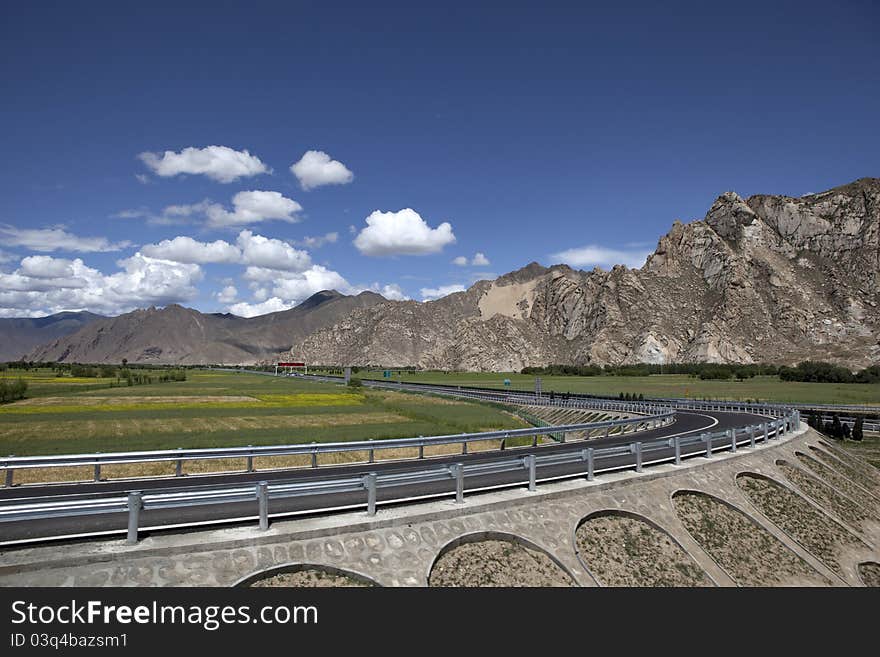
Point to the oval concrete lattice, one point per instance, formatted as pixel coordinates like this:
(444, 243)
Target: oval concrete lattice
(825, 496)
(839, 481)
(816, 532)
(750, 554)
(861, 464)
(857, 475)
(625, 550)
(496, 562)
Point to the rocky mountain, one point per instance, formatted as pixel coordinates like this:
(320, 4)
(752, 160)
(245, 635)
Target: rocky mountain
(768, 278)
(178, 335)
(19, 335)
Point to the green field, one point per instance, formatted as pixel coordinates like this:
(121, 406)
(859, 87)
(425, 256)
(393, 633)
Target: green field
(219, 409)
(45, 381)
(763, 388)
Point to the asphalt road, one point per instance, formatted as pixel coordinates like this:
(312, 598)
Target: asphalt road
(687, 423)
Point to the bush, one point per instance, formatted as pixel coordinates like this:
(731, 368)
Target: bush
(355, 383)
(12, 390)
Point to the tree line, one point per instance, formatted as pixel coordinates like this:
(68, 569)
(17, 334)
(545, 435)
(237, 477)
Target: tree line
(813, 371)
(837, 429)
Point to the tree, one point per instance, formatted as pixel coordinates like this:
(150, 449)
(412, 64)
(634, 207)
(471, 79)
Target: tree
(836, 428)
(858, 429)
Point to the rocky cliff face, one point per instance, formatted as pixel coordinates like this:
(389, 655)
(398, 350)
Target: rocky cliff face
(768, 278)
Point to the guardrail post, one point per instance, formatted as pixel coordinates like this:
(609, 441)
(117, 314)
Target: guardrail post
(458, 473)
(751, 435)
(370, 484)
(263, 497)
(250, 461)
(708, 438)
(607, 430)
(134, 513)
(676, 443)
(637, 448)
(531, 465)
(97, 467)
(178, 470)
(464, 448)
(765, 430)
(10, 473)
(588, 455)
(314, 457)
(372, 453)
(421, 449)
(732, 434)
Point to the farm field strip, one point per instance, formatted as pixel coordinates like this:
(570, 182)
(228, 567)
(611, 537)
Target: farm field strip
(213, 409)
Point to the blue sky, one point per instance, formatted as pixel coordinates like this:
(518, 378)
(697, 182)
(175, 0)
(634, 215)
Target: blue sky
(474, 138)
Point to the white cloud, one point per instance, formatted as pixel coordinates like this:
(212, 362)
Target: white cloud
(219, 163)
(304, 284)
(56, 239)
(392, 292)
(316, 168)
(287, 288)
(317, 242)
(46, 267)
(402, 233)
(272, 305)
(227, 295)
(432, 293)
(253, 207)
(187, 250)
(44, 285)
(260, 251)
(593, 255)
(479, 260)
(142, 178)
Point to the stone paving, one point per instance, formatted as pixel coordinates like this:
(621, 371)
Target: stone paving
(399, 546)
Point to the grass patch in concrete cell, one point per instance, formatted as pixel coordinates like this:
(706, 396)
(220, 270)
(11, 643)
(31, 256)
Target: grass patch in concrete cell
(496, 563)
(750, 554)
(845, 472)
(309, 578)
(621, 550)
(870, 573)
(816, 532)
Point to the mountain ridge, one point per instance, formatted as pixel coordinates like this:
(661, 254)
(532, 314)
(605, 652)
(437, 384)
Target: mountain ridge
(773, 278)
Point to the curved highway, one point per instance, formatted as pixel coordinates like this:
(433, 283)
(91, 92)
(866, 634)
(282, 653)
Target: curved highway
(688, 423)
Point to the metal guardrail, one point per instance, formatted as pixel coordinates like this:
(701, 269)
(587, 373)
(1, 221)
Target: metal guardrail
(178, 456)
(661, 450)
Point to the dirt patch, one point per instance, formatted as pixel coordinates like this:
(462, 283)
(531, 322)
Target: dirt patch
(870, 573)
(750, 554)
(843, 507)
(817, 533)
(496, 563)
(309, 578)
(842, 483)
(625, 551)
